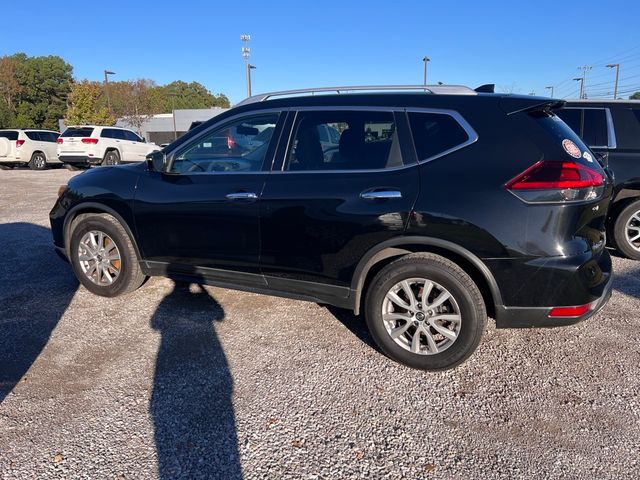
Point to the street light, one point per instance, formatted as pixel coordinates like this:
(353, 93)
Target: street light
(550, 88)
(426, 60)
(617, 67)
(246, 53)
(106, 87)
(581, 80)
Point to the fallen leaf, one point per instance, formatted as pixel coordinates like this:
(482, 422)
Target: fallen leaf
(271, 422)
(297, 443)
(430, 467)
(359, 454)
(58, 458)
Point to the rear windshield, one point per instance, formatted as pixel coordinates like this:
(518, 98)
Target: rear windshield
(77, 132)
(10, 134)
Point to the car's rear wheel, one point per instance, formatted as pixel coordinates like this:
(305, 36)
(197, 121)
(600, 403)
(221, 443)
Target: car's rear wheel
(112, 157)
(424, 311)
(626, 231)
(103, 256)
(38, 161)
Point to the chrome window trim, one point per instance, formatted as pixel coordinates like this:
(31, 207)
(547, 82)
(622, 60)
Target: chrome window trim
(611, 132)
(471, 133)
(254, 113)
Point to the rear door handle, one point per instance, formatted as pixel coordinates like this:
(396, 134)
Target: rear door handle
(247, 196)
(381, 195)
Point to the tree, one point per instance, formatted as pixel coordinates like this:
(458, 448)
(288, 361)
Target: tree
(132, 101)
(635, 96)
(44, 84)
(87, 105)
(180, 95)
(9, 89)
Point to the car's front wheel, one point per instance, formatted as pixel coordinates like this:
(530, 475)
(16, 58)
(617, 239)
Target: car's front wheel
(103, 256)
(424, 311)
(626, 231)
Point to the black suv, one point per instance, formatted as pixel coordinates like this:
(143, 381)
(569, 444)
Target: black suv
(611, 128)
(426, 211)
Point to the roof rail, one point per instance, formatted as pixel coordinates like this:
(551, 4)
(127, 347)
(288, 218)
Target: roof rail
(432, 89)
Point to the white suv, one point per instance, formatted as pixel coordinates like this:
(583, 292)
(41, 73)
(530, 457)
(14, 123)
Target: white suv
(92, 145)
(32, 147)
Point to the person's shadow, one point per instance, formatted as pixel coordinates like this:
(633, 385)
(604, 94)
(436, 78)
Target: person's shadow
(191, 402)
(36, 289)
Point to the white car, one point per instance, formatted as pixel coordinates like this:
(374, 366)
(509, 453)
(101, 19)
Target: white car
(85, 145)
(33, 147)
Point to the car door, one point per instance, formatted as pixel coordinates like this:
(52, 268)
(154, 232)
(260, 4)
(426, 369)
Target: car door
(135, 145)
(201, 216)
(324, 209)
(49, 145)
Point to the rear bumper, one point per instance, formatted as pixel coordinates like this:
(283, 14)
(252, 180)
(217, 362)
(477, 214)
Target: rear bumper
(568, 282)
(79, 160)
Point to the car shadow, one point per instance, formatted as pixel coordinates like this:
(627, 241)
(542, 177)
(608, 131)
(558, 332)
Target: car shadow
(191, 403)
(355, 324)
(628, 282)
(35, 291)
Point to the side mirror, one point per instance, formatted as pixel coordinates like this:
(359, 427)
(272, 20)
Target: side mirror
(156, 161)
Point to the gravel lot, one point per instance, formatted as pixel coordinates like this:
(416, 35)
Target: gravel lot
(176, 381)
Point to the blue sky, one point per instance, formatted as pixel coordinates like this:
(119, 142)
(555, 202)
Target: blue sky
(523, 46)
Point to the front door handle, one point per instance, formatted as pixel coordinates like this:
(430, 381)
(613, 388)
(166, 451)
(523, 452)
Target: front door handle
(246, 196)
(381, 195)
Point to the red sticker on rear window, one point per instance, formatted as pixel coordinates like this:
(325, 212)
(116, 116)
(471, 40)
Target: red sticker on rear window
(571, 148)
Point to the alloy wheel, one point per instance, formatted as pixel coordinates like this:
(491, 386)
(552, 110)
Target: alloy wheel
(632, 231)
(99, 258)
(421, 316)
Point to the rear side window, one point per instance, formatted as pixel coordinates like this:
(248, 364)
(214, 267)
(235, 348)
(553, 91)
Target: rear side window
(343, 140)
(573, 118)
(77, 132)
(9, 134)
(107, 133)
(627, 126)
(50, 137)
(132, 137)
(33, 135)
(594, 131)
(435, 134)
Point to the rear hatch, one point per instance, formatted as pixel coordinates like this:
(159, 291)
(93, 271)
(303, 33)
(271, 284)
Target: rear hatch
(8, 140)
(71, 140)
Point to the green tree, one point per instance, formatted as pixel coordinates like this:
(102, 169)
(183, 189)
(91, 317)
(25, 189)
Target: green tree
(87, 105)
(44, 84)
(635, 96)
(181, 95)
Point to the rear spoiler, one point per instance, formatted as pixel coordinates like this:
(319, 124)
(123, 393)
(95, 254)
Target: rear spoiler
(513, 105)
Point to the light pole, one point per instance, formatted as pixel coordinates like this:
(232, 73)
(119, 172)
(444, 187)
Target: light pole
(246, 52)
(583, 89)
(550, 88)
(581, 80)
(106, 87)
(173, 96)
(617, 67)
(426, 60)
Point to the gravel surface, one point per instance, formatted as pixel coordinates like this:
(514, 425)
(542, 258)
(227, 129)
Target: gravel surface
(178, 381)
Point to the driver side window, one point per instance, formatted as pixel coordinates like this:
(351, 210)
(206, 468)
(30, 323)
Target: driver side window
(236, 147)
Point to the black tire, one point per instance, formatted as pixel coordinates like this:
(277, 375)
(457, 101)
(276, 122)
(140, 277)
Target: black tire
(38, 161)
(112, 157)
(620, 230)
(130, 274)
(447, 275)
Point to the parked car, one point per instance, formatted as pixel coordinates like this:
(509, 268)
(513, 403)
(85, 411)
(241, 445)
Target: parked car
(33, 147)
(82, 146)
(612, 128)
(465, 205)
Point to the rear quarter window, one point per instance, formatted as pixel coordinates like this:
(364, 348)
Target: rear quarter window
(627, 127)
(435, 133)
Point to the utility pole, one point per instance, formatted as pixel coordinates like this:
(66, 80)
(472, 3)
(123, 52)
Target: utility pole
(615, 89)
(426, 60)
(583, 87)
(106, 87)
(246, 52)
(550, 87)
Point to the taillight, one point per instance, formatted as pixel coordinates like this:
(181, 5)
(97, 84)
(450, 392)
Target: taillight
(549, 181)
(89, 140)
(570, 311)
(60, 140)
(19, 143)
(231, 143)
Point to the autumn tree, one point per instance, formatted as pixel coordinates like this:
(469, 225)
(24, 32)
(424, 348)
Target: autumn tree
(87, 105)
(9, 89)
